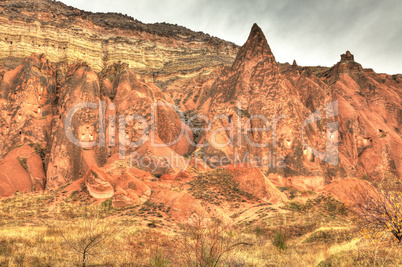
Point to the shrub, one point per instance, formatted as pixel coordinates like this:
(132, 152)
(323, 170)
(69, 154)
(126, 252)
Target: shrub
(86, 238)
(380, 210)
(279, 240)
(206, 243)
(158, 260)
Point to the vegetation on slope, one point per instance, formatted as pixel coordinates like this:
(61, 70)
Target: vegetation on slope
(317, 231)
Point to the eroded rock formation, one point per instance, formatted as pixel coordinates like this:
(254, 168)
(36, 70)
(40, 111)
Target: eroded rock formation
(124, 108)
(161, 52)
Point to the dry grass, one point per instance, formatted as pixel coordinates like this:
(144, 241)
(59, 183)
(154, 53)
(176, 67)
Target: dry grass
(319, 232)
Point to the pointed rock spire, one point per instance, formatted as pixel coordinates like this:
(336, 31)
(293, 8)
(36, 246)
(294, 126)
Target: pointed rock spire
(257, 37)
(255, 50)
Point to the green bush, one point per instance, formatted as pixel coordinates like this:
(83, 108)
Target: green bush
(158, 260)
(107, 204)
(279, 240)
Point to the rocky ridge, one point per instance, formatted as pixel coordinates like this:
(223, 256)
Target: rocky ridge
(161, 52)
(108, 127)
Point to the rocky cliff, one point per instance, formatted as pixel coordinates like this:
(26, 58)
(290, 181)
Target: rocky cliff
(129, 109)
(160, 51)
(306, 113)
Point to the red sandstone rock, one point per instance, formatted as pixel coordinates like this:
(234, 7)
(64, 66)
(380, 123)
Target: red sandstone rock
(181, 206)
(253, 181)
(121, 199)
(36, 97)
(183, 176)
(98, 183)
(21, 171)
(167, 177)
(348, 190)
(119, 181)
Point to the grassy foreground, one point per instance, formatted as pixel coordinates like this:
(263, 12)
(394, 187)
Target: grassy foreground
(49, 230)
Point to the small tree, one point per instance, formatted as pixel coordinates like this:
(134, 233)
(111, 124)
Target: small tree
(379, 209)
(206, 242)
(85, 236)
(374, 253)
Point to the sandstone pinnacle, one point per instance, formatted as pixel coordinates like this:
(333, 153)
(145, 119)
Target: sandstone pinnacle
(255, 50)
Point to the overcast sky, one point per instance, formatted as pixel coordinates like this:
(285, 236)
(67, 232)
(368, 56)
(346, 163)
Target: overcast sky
(314, 32)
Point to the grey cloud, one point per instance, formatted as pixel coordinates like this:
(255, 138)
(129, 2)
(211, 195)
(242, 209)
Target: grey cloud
(313, 32)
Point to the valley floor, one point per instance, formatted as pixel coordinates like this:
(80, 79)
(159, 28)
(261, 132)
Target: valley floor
(53, 229)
